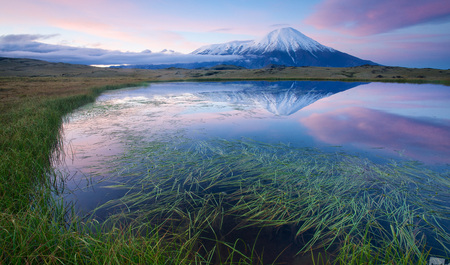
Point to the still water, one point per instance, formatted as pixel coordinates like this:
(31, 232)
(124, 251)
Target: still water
(376, 120)
(112, 139)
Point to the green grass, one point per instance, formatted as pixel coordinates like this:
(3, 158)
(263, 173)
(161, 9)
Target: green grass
(28, 136)
(33, 227)
(222, 191)
(45, 237)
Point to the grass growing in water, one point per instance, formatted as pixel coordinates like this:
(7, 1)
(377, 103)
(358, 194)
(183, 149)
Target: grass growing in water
(244, 201)
(34, 228)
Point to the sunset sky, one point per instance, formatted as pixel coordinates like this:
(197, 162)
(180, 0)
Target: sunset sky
(410, 33)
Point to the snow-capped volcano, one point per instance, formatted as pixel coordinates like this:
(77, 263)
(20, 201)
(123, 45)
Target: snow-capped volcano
(286, 39)
(285, 46)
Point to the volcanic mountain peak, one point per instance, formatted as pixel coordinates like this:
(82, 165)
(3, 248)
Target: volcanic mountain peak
(284, 39)
(287, 39)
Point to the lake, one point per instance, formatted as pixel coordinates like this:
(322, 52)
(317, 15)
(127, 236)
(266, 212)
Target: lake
(143, 150)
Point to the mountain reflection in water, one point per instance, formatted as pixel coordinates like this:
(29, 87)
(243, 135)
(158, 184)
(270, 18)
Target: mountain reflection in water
(280, 98)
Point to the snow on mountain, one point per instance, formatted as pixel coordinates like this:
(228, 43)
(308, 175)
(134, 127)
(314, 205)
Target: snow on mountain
(285, 46)
(285, 39)
(166, 51)
(229, 48)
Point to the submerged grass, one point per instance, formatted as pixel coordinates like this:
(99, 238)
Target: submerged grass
(222, 197)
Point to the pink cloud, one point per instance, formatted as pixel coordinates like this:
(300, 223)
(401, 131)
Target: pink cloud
(371, 128)
(371, 17)
(81, 16)
(121, 23)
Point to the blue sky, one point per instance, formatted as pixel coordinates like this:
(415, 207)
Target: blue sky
(411, 33)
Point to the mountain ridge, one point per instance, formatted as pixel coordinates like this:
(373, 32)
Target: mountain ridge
(285, 46)
(287, 39)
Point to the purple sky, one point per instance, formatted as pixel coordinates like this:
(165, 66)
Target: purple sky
(411, 33)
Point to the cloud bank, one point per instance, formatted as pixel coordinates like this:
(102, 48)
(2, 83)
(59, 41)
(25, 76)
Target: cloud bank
(364, 18)
(28, 46)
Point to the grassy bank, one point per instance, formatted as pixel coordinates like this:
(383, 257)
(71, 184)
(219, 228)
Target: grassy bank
(31, 117)
(36, 229)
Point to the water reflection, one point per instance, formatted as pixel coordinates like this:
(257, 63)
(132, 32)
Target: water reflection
(399, 118)
(367, 128)
(408, 119)
(279, 98)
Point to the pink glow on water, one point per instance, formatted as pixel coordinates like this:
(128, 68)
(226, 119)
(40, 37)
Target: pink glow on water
(371, 128)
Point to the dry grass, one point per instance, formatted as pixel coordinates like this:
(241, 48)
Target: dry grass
(368, 72)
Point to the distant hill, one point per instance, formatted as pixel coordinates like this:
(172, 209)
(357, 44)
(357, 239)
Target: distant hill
(37, 68)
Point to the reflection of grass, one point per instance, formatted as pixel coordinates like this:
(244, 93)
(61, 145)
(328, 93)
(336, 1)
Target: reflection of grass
(218, 197)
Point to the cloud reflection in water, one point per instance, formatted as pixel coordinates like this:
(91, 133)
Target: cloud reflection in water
(362, 127)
